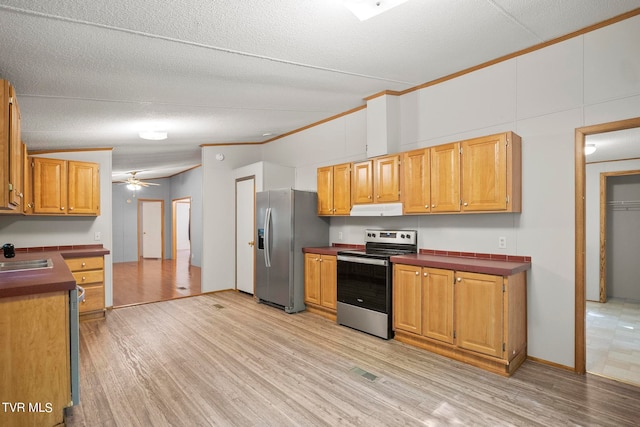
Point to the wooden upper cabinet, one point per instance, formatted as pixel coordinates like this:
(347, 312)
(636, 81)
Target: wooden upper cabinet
(64, 187)
(342, 189)
(445, 178)
(491, 173)
(416, 181)
(334, 190)
(386, 183)
(362, 182)
(49, 186)
(84, 188)
(325, 190)
(11, 152)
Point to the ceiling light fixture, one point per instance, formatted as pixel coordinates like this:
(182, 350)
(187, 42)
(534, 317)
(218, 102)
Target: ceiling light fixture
(365, 9)
(153, 135)
(589, 149)
(134, 187)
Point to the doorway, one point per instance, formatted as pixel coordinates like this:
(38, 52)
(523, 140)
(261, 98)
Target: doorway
(245, 232)
(150, 229)
(181, 229)
(581, 135)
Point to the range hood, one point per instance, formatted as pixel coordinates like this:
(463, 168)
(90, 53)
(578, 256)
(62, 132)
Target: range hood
(377, 209)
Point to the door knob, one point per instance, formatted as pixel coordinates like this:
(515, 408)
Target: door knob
(251, 243)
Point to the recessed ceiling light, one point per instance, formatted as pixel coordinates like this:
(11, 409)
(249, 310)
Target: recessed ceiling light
(589, 149)
(267, 134)
(365, 9)
(154, 135)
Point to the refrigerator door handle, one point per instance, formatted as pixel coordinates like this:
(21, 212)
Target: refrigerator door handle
(267, 238)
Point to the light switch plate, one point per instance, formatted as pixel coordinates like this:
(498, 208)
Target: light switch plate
(97, 236)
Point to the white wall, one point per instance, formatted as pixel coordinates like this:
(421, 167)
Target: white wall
(32, 231)
(218, 229)
(543, 96)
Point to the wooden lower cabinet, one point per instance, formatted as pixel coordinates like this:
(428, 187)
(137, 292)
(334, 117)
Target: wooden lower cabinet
(320, 284)
(34, 359)
(479, 319)
(89, 274)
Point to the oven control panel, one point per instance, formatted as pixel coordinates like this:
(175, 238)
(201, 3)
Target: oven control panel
(409, 237)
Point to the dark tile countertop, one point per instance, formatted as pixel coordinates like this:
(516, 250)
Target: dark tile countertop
(56, 278)
(457, 263)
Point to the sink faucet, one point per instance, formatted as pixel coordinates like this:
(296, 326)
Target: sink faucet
(9, 251)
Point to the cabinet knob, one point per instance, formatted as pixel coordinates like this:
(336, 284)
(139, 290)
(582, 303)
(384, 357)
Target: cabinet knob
(426, 274)
(459, 279)
(417, 273)
(369, 196)
(20, 195)
(433, 206)
(61, 208)
(84, 278)
(426, 206)
(71, 209)
(466, 204)
(317, 259)
(84, 264)
(378, 196)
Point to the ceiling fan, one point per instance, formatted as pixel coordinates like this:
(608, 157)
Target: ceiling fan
(134, 183)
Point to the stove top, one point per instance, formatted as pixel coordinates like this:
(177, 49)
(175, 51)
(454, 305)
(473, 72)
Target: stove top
(386, 243)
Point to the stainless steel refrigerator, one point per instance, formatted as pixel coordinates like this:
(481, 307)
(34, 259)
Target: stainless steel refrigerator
(286, 221)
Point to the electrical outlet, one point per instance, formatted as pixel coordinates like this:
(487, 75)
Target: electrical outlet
(340, 235)
(502, 242)
(97, 236)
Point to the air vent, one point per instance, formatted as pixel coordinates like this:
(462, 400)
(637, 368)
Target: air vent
(368, 375)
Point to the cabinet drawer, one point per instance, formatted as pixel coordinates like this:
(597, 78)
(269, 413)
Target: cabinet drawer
(79, 264)
(93, 298)
(85, 277)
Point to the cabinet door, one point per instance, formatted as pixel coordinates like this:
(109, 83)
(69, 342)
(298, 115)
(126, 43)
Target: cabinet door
(407, 300)
(479, 313)
(362, 182)
(386, 185)
(416, 182)
(49, 186)
(328, 281)
(312, 278)
(325, 190)
(27, 205)
(342, 189)
(437, 304)
(84, 188)
(445, 178)
(15, 152)
(484, 174)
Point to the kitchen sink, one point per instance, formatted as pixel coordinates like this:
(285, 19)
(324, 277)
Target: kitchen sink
(32, 264)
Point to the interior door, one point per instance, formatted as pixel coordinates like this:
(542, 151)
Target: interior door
(245, 232)
(151, 226)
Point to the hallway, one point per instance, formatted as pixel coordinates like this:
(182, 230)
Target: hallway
(151, 280)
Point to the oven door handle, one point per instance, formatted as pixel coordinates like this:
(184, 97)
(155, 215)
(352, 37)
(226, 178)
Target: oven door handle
(361, 260)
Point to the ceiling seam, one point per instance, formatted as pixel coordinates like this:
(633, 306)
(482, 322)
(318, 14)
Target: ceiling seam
(119, 101)
(514, 20)
(195, 44)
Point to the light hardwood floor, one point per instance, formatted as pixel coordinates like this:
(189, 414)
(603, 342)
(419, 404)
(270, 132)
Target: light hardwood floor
(613, 339)
(151, 280)
(224, 360)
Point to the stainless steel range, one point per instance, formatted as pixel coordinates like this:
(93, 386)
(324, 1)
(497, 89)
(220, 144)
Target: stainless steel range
(365, 280)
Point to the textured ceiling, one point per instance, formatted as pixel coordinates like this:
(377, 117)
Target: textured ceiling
(93, 74)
